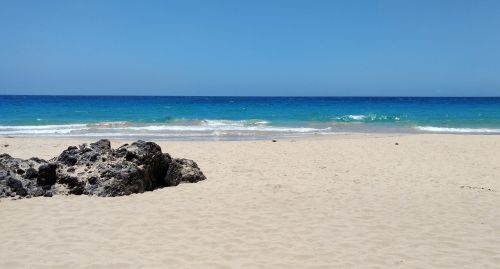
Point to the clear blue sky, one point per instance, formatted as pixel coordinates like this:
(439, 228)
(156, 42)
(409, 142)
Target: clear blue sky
(395, 48)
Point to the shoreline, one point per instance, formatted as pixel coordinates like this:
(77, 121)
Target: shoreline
(57, 144)
(245, 138)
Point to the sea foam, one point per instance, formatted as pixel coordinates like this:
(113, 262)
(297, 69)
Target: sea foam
(456, 130)
(367, 118)
(174, 129)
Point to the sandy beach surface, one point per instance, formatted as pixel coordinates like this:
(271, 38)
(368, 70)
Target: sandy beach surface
(347, 201)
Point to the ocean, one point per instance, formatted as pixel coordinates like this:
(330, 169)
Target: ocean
(234, 118)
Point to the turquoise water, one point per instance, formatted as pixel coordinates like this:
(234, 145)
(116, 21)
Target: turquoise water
(241, 117)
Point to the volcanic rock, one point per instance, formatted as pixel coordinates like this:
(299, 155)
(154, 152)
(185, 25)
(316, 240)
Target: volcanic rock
(96, 169)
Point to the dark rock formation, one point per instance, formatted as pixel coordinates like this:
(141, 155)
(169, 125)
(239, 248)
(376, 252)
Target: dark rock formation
(96, 169)
(183, 170)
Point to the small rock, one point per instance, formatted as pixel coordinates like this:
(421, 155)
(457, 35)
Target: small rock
(183, 170)
(92, 180)
(47, 174)
(17, 186)
(274, 140)
(31, 173)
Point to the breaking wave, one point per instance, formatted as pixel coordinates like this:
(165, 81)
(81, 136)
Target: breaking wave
(367, 118)
(207, 128)
(457, 130)
(177, 128)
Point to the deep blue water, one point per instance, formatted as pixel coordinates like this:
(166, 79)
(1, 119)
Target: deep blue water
(171, 117)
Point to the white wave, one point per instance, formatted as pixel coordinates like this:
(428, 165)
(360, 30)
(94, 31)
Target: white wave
(456, 130)
(219, 128)
(356, 117)
(223, 123)
(233, 122)
(110, 123)
(351, 117)
(369, 117)
(41, 129)
(206, 127)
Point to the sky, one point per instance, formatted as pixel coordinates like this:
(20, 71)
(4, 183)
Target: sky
(254, 48)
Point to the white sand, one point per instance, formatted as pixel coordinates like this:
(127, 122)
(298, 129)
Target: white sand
(354, 201)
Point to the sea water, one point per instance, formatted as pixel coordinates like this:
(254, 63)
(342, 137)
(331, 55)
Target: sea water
(161, 117)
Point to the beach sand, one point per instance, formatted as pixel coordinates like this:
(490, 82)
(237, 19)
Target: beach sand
(347, 201)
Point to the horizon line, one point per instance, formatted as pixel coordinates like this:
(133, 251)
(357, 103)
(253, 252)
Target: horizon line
(259, 96)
